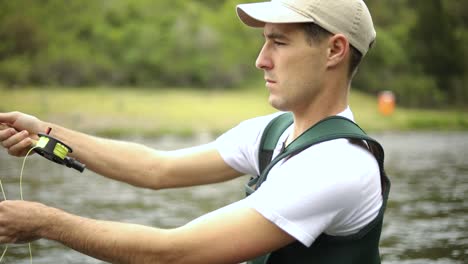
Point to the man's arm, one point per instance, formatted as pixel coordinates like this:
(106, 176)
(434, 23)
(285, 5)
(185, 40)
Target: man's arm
(128, 162)
(225, 236)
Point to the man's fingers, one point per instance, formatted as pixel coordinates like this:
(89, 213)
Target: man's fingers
(6, 240)
(20, 149)
(14, 139)
(7, 133)
(4, 126)
(16, 142)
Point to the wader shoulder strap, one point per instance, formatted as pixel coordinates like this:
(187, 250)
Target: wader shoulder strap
(270, 137)
(330, 128)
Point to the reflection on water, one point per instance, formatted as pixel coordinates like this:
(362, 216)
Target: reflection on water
(426, 220)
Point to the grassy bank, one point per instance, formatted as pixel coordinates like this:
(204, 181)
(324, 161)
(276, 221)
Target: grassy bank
(153, 112)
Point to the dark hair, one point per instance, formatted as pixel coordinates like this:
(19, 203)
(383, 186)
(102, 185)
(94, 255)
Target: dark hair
(316, 34)
(355, 59)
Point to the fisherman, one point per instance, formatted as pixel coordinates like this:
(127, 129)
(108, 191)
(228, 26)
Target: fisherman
(321, 204)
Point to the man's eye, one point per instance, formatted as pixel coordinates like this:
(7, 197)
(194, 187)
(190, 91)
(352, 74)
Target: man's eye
(278, 43)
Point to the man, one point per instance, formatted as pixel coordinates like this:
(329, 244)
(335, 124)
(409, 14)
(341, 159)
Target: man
(330, 190)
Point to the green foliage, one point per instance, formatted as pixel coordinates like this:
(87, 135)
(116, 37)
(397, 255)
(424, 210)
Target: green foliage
(201, 43)
(440, 55)
(143, 42)
(419, 53)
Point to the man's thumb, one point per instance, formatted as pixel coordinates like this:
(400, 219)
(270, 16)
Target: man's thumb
(8, 118)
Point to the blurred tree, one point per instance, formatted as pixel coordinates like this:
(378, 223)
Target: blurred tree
(422, 59)
(419, 53)
(436, 47)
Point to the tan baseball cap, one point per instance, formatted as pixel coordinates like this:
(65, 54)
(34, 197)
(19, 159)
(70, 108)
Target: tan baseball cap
(348, 17)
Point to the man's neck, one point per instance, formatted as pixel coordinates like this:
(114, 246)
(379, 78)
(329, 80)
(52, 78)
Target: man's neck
(325, 105)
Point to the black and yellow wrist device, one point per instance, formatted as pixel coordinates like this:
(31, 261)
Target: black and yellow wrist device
(56, 151)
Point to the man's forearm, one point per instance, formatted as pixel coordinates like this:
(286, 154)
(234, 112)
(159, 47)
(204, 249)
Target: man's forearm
(109, 241)
(144, 167)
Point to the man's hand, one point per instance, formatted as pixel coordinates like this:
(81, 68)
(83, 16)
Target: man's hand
(18, 131)
(20, 221)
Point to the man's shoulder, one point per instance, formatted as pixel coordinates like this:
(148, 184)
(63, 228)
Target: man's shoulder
(340, 156)
(340, 148)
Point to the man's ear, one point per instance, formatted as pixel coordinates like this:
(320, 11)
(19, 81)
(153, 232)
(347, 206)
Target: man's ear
(338, 48)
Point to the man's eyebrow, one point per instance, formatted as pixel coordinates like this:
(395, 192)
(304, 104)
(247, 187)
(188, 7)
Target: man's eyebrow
(275, 35)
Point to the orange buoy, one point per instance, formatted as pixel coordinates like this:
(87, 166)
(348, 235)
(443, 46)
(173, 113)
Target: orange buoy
(386, 100)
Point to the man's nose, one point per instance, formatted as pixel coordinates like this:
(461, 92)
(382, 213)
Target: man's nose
(264, 61)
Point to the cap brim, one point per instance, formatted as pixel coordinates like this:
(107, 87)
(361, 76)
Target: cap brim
(257, 14)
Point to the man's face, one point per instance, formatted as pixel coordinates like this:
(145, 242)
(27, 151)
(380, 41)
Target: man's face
(293, 66)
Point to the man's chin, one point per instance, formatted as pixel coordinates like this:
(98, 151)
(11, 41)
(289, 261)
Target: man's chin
(277, 104)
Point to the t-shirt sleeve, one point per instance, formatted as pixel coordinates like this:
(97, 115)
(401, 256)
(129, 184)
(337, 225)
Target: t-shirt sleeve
(239, 146)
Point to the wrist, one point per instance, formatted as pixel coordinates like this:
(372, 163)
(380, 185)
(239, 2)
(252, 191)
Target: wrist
(42, 127)
(51, 224)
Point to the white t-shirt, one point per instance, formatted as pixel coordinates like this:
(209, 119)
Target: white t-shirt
(332, 187)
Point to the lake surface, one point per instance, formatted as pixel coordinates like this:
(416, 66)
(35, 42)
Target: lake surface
(426, 220)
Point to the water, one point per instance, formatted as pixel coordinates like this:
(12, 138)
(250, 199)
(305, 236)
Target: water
(426, 220)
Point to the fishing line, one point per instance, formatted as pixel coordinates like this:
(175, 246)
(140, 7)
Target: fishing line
(53, 150)
(4, 198)
(21, 197)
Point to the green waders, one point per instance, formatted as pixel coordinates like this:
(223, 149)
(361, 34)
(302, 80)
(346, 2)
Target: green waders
(359, 248)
